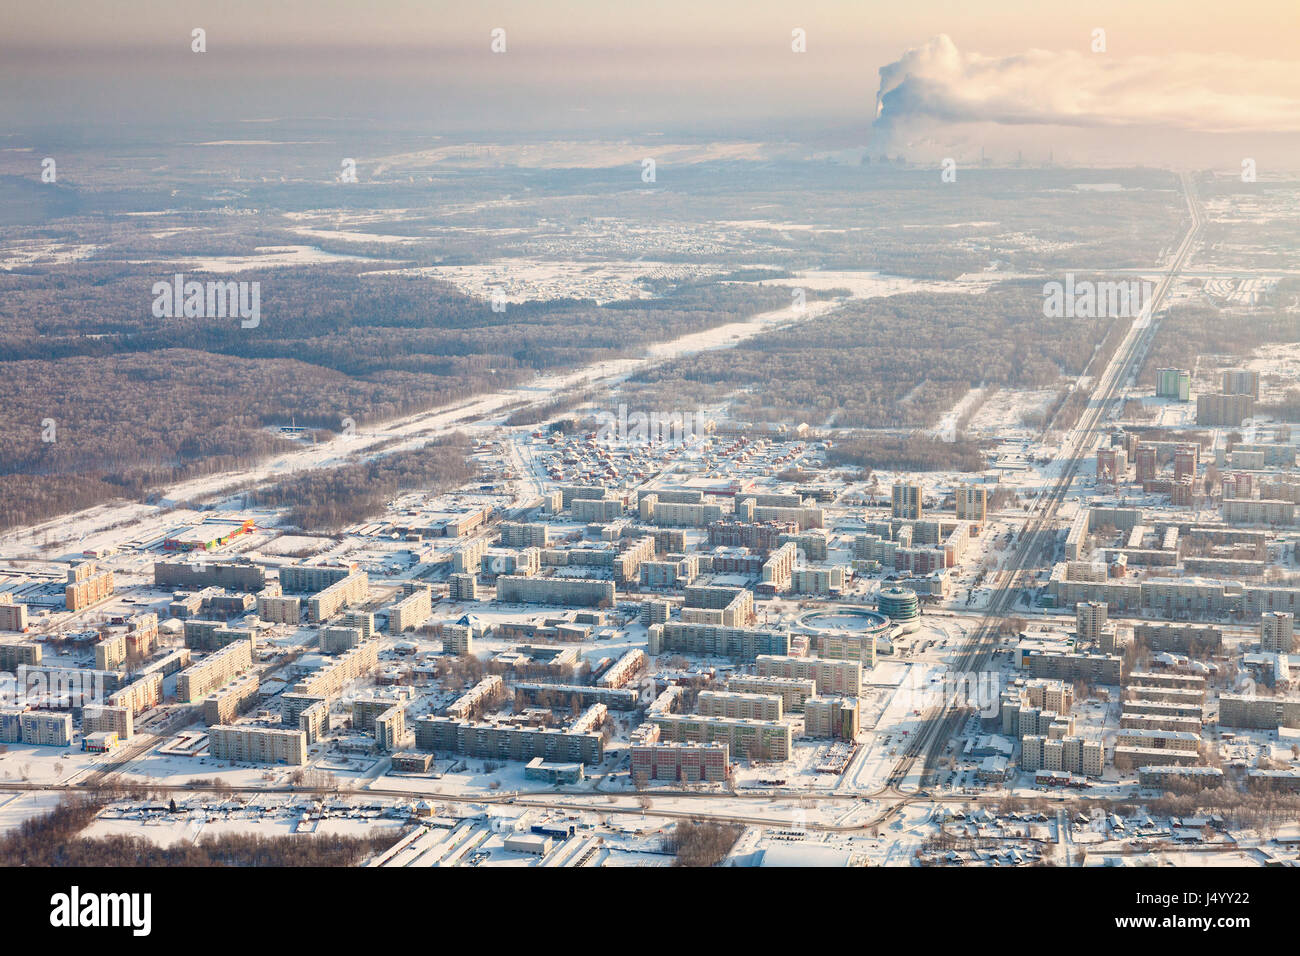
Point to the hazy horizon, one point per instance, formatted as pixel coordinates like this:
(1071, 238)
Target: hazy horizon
(1023, 83)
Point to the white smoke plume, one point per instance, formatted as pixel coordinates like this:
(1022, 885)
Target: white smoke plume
(936, 85)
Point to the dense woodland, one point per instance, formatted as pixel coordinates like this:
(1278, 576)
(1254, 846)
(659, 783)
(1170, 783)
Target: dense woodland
(705, 843)
(910, 453)
(899, 361)
(327, 499)
(1189, 333)
(137, 402)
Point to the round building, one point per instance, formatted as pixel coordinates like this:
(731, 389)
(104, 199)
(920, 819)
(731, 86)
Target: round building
(900, 605)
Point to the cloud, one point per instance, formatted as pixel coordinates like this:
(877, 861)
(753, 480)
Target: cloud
(936, 84)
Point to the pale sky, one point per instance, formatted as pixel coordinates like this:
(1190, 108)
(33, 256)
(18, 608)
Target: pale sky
(1265, 28)
(713, 66)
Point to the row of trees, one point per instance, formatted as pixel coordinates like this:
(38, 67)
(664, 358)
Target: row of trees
(52, 839)
(705, 843)
(907, 453)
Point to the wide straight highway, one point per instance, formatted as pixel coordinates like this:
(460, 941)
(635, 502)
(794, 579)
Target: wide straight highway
(943, 720)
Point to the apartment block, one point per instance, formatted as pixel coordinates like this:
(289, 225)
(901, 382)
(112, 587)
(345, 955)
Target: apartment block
(228, 702)
(140, 695)
(457, 640)
(756, 739)
(352, 589)
(823, 581)
(581, 592)
(813, 545)
(517, 535)
(1054, 695)
(106, 718)
(329, 680)
(390, 728)
(1175, 383)
(16, 653)
(309, 578)
(87, 585)
(1239, 381)
(488, 692)
(1031, 752)
(1135, 748)
(624, 669)
(778, 568)
(45, 729)
(279, 609)
(291, 705)
(728, 703)
(462, 587)
(836, 717)
(760, 537)
(410, 612)
(366, 709)
(1165, 778)
(524, 563)
(670, 574)
(1063, 665)
(1142, 706)
(1167, 695)
(655, 612)
(238, 575)
(336, 640)
(1130, 720)
(671, 514)
(253, 744)
(11, 725)
(1146, 462)
(1179, 638)
(907, 500)
(849, 646)
(716, 640)
(1148, 679)
(1223, 410)
(842, 678)
(1068, 754)
(1112, 465)
(13, 616)
(599, 510)
(1277, 632)
(549, 695)
(735, 604)
(1090, 617)
(1258, 511)
(201, 635)
(1258, 713)
(465, 559)
(681, 762)
(805, 517)
(972, 503)
(198, 680)
(507, 741)
(794, 692)
(314, 720)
